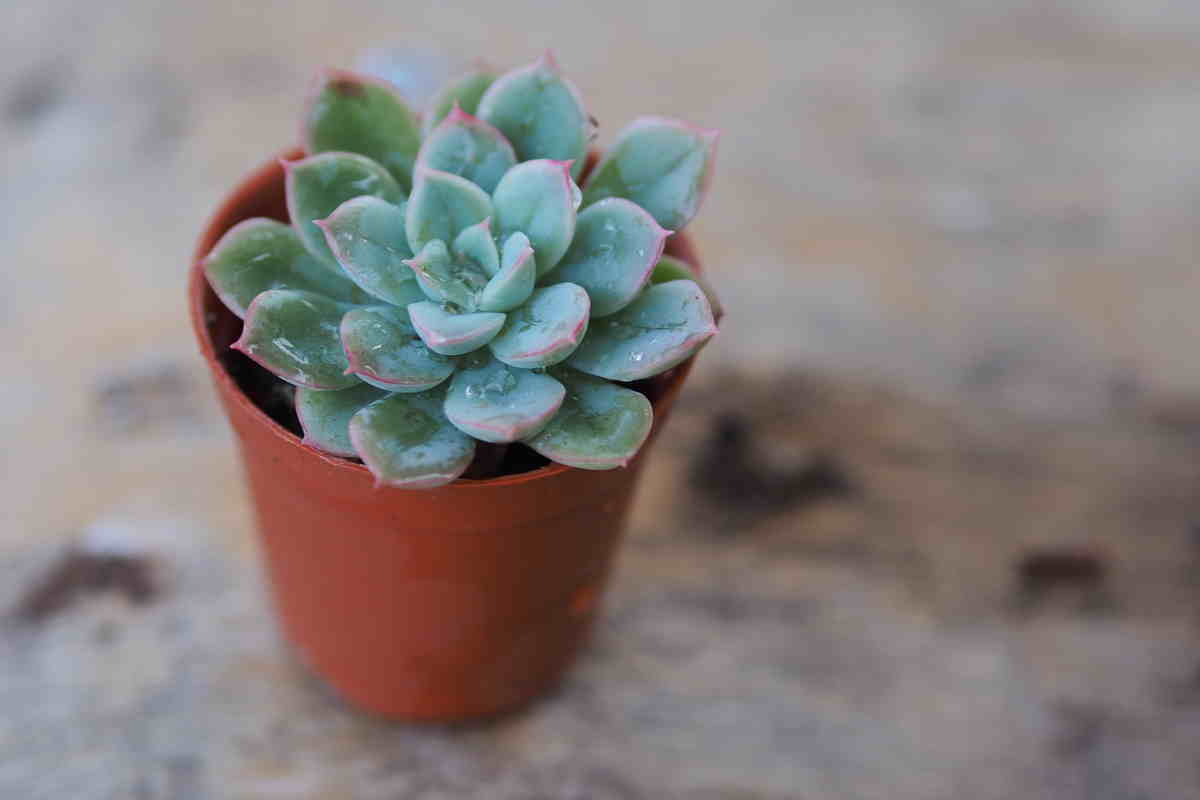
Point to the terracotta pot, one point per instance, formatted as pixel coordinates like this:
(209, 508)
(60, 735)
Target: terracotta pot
(440, 604)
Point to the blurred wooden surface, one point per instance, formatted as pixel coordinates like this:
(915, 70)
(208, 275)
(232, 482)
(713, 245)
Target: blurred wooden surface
(957, 244)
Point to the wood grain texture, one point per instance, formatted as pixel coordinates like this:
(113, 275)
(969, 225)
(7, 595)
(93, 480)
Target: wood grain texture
(956, 243)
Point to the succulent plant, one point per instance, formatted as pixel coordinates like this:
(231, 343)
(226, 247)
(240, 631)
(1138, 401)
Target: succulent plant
(439, 284)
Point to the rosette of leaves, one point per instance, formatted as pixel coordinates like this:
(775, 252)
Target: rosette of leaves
(446, 281)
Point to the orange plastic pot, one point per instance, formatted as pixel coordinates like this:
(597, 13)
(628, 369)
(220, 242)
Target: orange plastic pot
(440, 604)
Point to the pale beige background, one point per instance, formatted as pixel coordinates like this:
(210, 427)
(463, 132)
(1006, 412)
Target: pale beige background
(989, 206)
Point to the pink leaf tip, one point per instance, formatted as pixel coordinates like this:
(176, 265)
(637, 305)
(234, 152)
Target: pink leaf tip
(458, 115)
(548, 62)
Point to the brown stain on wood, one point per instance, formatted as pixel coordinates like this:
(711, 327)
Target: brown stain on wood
(78, 573)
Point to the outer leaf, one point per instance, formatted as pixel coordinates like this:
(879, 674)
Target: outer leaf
(294, 334)
(512, 285)
(465, 91)
(494, 402)
(366, 235)
(545, 330)
(666, 324)
(463, 145)
(670, 268)
(453, 334)
(384, 350)
(325, 416)
(538, 198)
(615, 247)
(317, 185)
(441, 206)
(446, 281)
(260, 254)
(540, 112)
(356, 114)
(661, 164)
(600, 425)
(406, 441)
(476, 246)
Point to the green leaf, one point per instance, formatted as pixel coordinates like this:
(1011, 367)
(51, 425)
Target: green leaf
(384, 350)
(662, 327)
(494, 402)
(540, 112)
(476, 246)
(545, 330)
(260, 254)
(406, 441)
(441, 206)
(325, 416)
(294, 334)
(317, 185)
(600, 425)
(446, 281)
(453, 334)
(366, 235)
(538, 199)
(661, 164)
(512, 285)
(615, 247)
(356, 114)
(463, 145)
(670, 268)
(465, 91)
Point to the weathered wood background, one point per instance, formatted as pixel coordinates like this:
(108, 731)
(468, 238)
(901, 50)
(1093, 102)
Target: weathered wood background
(958, 554)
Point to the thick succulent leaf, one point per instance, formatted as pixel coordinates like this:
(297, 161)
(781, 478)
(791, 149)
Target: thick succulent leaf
(406, 441)
(516, 247)
(317, 185)
(540, 112)
(356, 114)
(512, 285)
(465, 91)
(366, 235)
(539, 199)
(615, 247)
(494, 402)
(546, 330)
(260, 254)
(294, 334)
(383, 349)
(442, 280)
(475, 245)
(325, 416)
(600, 425)
(661, 164)
(463, 145)
(441, 206)
(453, 334)
(662, 327)
(670, 268)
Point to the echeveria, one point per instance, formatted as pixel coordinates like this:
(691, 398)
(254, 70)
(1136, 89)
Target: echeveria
(439, 283)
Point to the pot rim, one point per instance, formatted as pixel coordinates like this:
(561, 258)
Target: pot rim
(198, 294)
